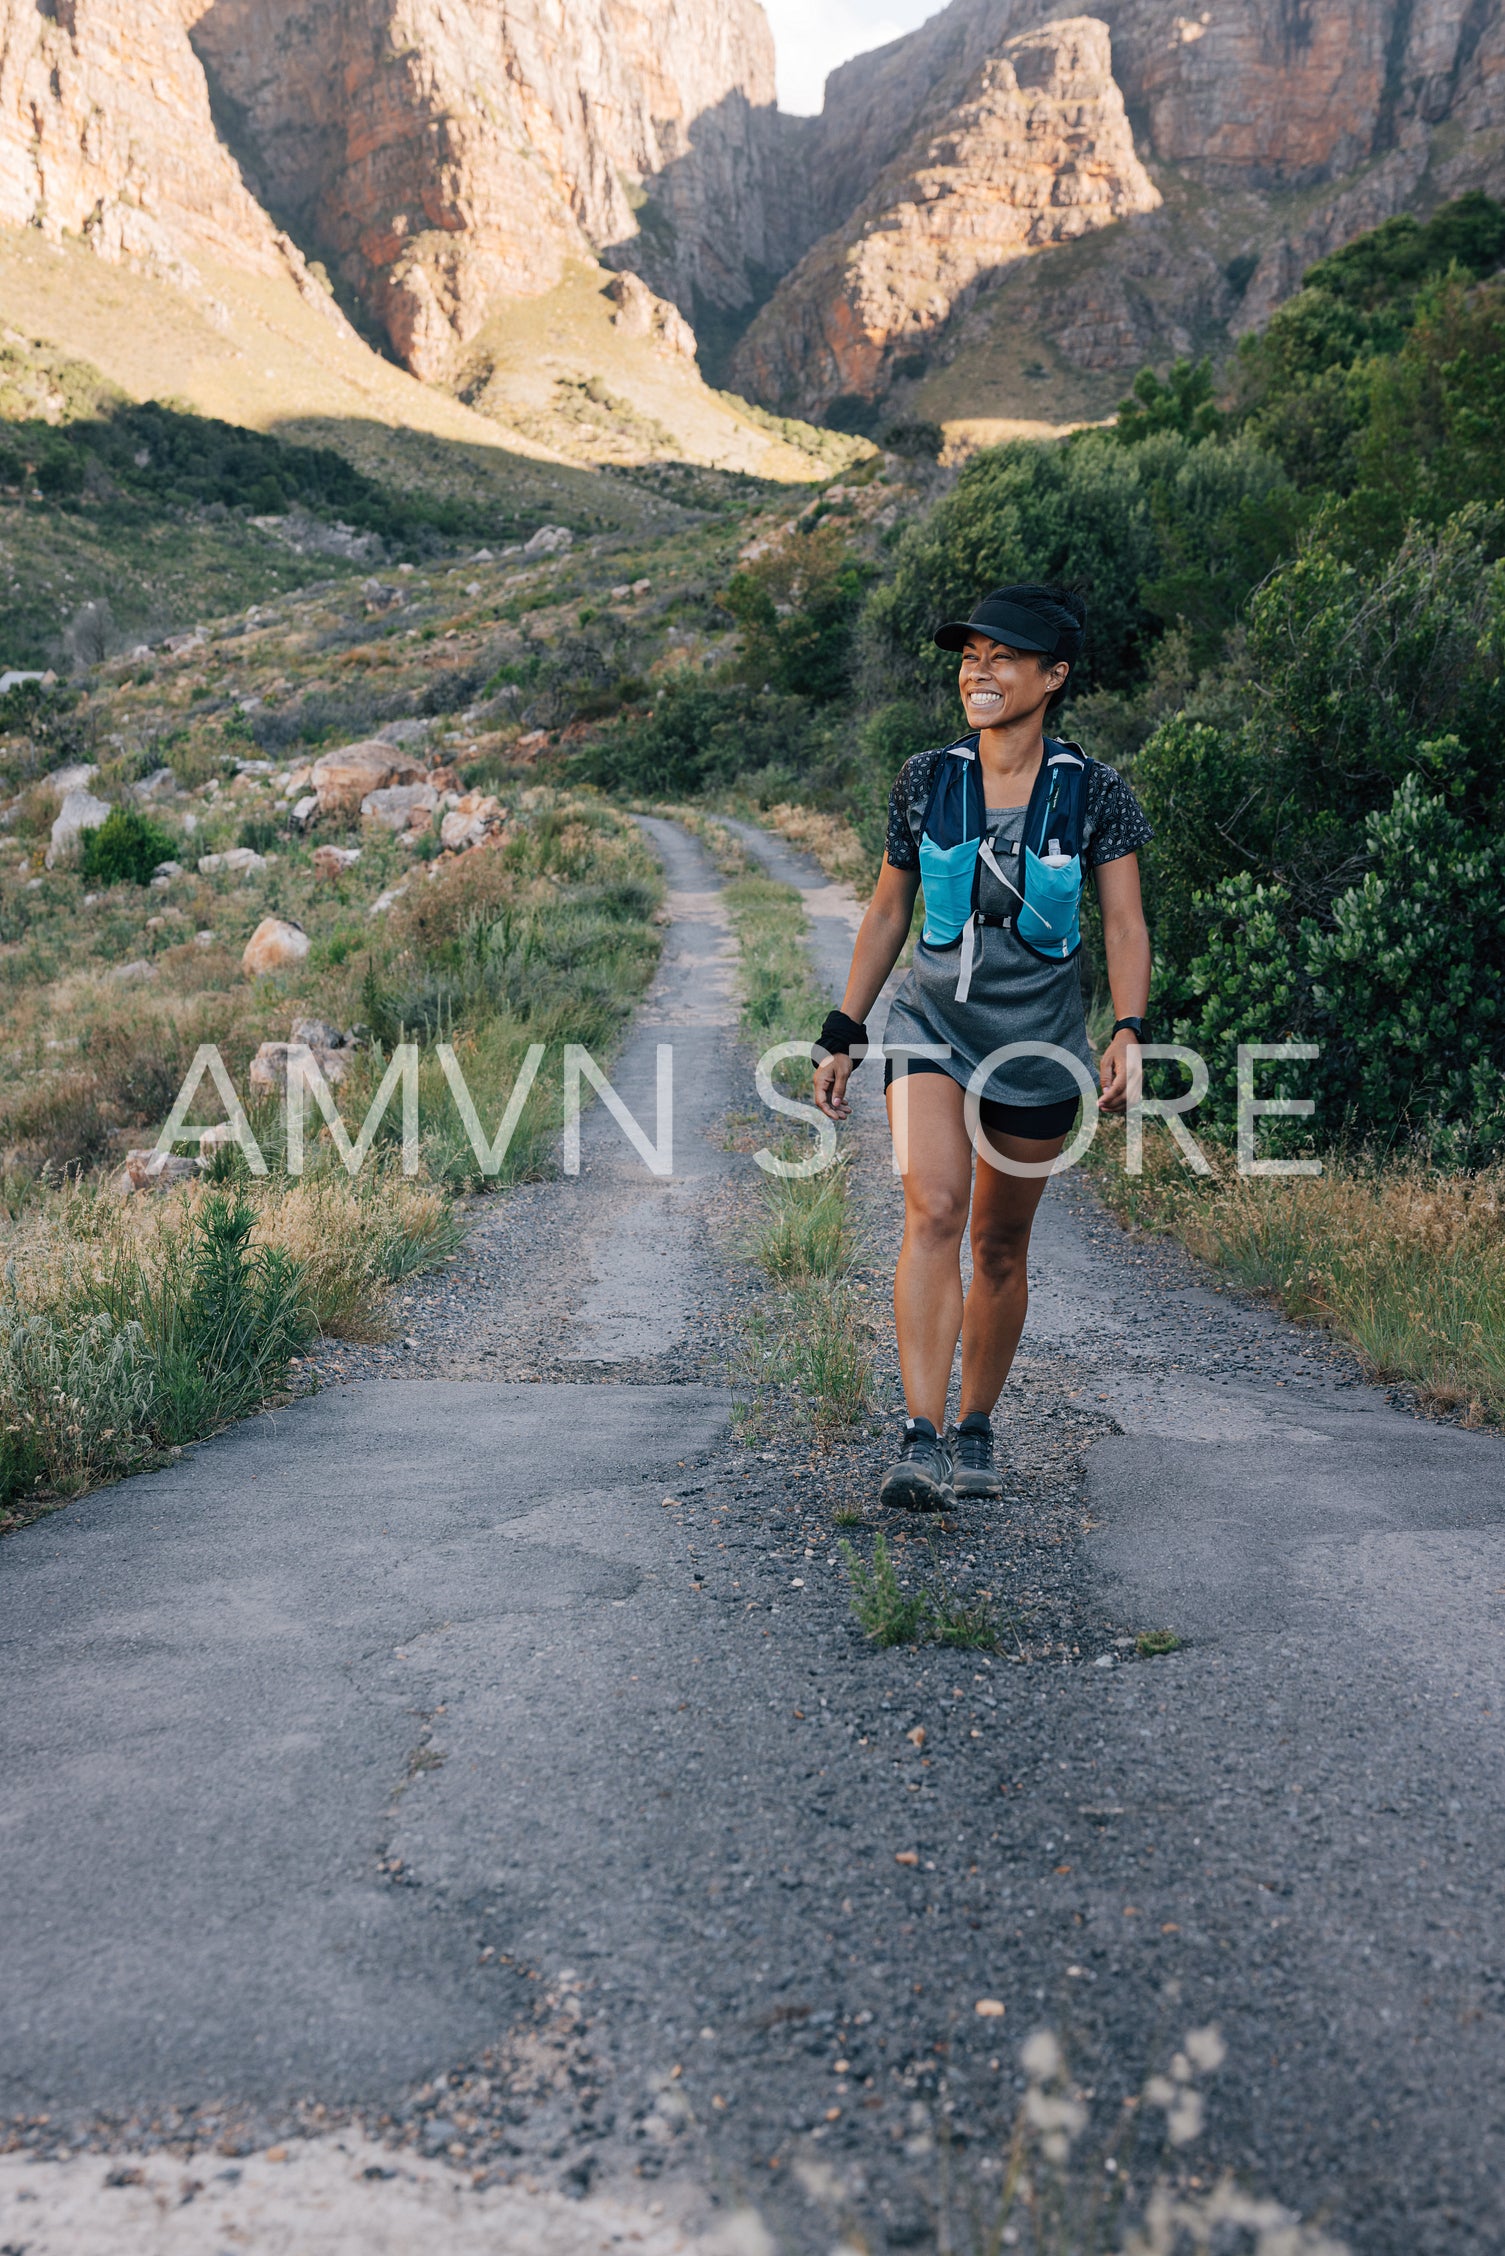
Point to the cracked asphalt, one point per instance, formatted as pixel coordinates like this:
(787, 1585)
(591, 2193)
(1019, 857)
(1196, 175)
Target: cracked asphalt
(483, 1750)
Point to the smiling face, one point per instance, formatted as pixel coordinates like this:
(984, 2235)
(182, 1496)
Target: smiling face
(1002, 686)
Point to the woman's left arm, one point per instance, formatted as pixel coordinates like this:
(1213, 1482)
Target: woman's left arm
(1126, 941)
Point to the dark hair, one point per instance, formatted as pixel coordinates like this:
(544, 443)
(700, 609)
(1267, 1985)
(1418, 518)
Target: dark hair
(1064, 613)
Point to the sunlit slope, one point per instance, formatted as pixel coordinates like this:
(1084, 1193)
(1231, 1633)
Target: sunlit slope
(252, 350)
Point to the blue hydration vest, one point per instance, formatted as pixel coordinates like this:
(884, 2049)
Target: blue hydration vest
(954, 842)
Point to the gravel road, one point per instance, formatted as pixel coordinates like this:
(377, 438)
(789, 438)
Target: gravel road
(483, 1755)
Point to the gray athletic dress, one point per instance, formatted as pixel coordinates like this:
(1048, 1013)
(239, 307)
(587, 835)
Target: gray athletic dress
(1015, 996)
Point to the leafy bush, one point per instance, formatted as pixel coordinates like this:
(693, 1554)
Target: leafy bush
(125, 848)
(1303, 381)
(797, 607)
(700, 735)
(1402, 984)
(1182, 404)
(1147, 534)
(1410, 979)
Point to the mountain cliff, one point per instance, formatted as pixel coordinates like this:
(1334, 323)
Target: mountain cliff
(1273, 130)
(106, 135)
(997, 216)
(442, 154)
(461, 177)
(1034, 151)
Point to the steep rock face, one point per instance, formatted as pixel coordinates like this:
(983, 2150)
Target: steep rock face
(1253, 108)
(106, 133)
(1265, 93)
(450, 152)
(1036, 151)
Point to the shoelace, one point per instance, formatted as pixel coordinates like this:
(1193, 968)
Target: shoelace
(975, 1451)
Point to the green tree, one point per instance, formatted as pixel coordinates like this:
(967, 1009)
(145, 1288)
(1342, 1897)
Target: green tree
(1183, 404)
(1410, 975)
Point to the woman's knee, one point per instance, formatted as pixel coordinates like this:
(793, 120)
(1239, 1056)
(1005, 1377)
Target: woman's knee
(1001, 1254)
(935, 1214)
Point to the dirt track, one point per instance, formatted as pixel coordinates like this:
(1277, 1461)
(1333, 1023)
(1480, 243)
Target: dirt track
(410, 1755)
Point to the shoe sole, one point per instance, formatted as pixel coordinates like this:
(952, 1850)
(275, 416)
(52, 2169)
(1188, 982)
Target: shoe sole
(977, 1484)
(914, 1490)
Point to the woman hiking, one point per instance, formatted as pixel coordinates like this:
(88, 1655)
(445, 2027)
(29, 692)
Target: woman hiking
(1000, 827)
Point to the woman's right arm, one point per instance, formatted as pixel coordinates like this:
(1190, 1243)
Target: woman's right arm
(880, 939)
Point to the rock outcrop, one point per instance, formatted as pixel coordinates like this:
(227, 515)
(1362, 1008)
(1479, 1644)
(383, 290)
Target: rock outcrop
(106, 133)
(1036, 152)
(1361, 107)
(445, 153)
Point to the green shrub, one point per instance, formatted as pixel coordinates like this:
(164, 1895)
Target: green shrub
(1165, 529)
(1303, 382)
(220, 1320)
(797, 608)
(700, 735)
(1183, 403)
(1410, 979)
(125, 849)
(99, 1372)
(1401, 982)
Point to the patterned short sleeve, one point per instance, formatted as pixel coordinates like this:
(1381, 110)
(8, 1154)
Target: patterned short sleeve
(1116, 823)
(906, 810)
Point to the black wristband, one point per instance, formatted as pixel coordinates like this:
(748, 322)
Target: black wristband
(1134, 1026)
(841, 1035)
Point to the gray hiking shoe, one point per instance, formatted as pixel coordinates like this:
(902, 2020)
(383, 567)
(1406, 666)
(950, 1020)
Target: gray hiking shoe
(974, 1472)
(920, 1478)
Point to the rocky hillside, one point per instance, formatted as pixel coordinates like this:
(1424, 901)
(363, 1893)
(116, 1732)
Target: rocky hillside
(522, 202)
(1273, 132)
(1037, 152)
(277, 192)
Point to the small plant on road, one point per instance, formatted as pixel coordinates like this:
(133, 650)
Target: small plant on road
(1151, 1643)
(892, 1615)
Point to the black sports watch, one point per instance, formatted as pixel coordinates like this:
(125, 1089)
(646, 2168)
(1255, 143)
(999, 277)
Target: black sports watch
(1134, 1026)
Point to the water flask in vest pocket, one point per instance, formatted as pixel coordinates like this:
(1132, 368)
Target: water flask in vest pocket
(947, 872)
(1048, 915)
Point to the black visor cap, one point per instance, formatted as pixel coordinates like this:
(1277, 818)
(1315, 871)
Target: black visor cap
(1001, 622)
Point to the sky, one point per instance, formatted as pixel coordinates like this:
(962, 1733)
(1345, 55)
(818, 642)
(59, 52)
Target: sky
(813, 36)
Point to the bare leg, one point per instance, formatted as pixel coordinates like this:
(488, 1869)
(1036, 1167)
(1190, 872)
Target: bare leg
(936, 1158)
(1003, 1214)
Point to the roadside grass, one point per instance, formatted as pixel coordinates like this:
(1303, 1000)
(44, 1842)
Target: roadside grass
(780, 999)
(129, 1327)
(809, 1349)
(1406, 1263)
(807, 1228)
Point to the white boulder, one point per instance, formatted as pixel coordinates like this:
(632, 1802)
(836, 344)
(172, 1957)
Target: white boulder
(274, 1060)
(63, 780)
(80, 811)
(395, 807)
